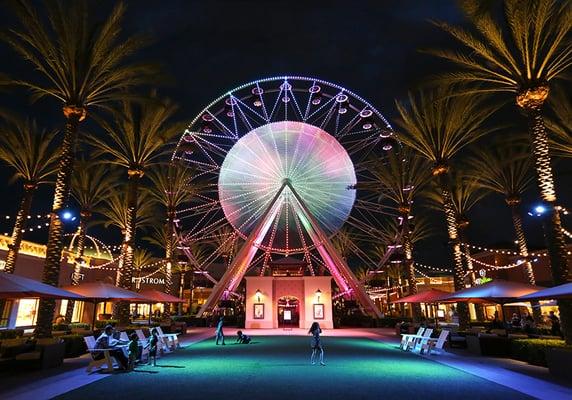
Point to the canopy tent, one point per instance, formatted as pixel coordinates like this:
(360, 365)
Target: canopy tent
(554, 293)
(428, 296)
(156, 296)
(431, 296)
(100, 291)
(159, 297)
(17, 287)
(498, 291)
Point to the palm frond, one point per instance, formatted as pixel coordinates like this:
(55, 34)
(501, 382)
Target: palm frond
(528, 46)
(78, 62)
(28, 150)
(438, 124)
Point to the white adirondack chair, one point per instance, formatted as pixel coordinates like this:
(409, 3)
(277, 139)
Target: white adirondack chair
(405, 337)
(143, 341)
(171, 339)
(415, 340)
(106, 360)
(432, 344)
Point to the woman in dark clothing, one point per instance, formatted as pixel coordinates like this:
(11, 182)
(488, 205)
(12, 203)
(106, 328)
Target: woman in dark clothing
(316, 344)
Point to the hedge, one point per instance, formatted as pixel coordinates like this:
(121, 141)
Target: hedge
(79, 325)
(75, 345)
(533, 351)
(102, 324)
(11, 333)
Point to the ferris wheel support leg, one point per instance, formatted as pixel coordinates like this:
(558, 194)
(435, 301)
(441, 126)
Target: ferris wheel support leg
(341, 272)
(239, 265)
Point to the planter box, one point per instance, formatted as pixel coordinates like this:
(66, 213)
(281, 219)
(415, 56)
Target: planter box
(559, 362)
(489, 345)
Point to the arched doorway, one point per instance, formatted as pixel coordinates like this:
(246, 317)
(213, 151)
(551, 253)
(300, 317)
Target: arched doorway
(288, 312)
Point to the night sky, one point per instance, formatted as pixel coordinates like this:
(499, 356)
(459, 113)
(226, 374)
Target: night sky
(209, 47)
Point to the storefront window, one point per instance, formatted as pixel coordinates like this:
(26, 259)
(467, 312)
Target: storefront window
(27, 312)
(5, 314)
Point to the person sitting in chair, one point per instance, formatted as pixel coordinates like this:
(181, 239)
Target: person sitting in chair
(107, 341)
(242, 338)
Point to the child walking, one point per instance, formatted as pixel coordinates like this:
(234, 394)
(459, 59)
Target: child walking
(133, 351)
(316, 345)
(153, 341)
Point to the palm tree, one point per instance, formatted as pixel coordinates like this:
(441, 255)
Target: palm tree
(83, 64)
(141, 258)
(437, 125)
(136, 139)
(521, 55)
(505, 168)
(171, 188)
(466, 192)
(28, 150)
(117, 213)
(91, 185)
(401, 179)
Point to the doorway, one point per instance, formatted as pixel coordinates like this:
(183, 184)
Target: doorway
(288, 312)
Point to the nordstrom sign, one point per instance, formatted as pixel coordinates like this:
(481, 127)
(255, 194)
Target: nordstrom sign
(151, 281)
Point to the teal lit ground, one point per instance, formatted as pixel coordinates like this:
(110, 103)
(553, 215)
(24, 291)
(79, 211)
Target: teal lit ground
(278, 367)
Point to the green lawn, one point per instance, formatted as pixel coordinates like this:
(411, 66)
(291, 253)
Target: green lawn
(278, 367)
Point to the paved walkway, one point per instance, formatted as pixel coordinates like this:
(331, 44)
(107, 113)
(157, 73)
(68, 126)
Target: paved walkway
(515, 376)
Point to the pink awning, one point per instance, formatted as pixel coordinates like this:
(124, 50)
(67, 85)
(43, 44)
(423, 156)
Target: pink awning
(17, 287)
(101, 291)
(427, 296)
(160, 297)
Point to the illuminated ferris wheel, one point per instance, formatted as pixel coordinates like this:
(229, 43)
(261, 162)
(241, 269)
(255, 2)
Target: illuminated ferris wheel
(281, 160)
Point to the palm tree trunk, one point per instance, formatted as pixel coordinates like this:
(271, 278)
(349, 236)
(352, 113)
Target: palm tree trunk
(80, 243)
(181, 292)
(410, 271)
(523, 251)
(552, 225)
(455, 244)
(17, 232)
(479, 311)
(55, 243)
(169, 256)
(126, 266)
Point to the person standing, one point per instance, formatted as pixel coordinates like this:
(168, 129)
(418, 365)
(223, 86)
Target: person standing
(153, 342)
(316, 343)
(219, 332)
(555, 330)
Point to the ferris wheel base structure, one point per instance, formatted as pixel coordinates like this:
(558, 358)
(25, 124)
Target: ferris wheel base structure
(336, 265)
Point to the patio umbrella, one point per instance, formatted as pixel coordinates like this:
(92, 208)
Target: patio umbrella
(497, 291)
(159, 297)
(554, 293)
(17, 287)
(100, 291)
(428, 296)
(431, 296)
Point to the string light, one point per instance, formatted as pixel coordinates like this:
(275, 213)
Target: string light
(506, 252)
(438, 269)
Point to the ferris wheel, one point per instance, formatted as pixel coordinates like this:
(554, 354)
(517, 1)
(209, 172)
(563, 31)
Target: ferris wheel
(282, 161)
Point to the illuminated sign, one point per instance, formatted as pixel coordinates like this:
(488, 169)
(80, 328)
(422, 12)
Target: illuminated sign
(151, 281)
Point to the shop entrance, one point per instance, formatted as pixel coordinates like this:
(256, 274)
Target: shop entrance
(288, 312)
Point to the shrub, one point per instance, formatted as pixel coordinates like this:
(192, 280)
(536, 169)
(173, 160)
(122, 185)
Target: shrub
(79, 325)
(103, 323)
(11, 333)
(533, 351)
(75, 345)
(60, 327)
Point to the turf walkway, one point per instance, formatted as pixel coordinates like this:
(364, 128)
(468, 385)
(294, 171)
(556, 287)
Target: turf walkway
(278, 367)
